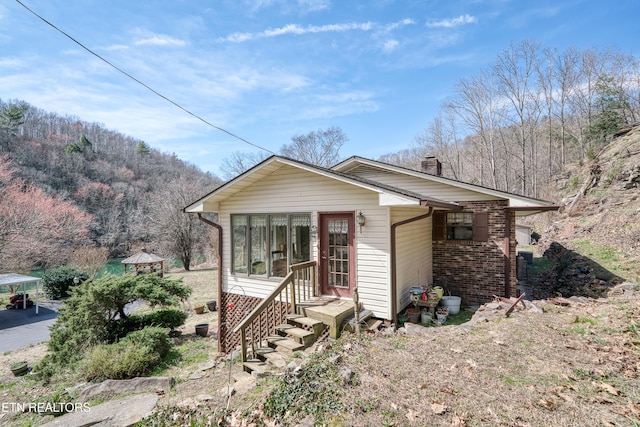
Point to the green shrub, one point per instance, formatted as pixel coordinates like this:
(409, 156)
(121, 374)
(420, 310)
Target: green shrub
(87, 316)
(57, 281)
(154, 338)
(167, 318)
(137, 354)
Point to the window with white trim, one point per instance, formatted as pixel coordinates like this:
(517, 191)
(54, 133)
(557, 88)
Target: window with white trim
(267, 244)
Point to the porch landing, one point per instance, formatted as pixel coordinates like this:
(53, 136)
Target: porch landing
(331, 311)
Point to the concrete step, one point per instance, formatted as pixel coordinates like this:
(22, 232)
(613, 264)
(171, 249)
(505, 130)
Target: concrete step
(283, 344)
(272, 357)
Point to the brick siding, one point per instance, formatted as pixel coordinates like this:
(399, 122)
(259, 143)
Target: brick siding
(473, 270)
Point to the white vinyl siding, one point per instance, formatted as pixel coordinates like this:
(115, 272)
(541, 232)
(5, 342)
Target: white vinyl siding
(290, 189)
(413, 249)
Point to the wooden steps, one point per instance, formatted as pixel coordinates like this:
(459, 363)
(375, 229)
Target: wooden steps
(299, 333)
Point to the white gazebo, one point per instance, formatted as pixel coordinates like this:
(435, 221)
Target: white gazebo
(14, 279)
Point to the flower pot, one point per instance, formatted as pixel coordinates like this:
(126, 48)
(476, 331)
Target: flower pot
(19, 368)
(212, 305)
(441, 317)
(414, 314)
(202, 329)
(199, 309)
(425, 317)
(452, 303)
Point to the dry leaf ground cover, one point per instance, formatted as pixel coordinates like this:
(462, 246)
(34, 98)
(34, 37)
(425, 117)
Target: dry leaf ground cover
(574, 365)
(570, 366)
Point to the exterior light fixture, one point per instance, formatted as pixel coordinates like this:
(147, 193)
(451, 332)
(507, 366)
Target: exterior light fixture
(360, 219)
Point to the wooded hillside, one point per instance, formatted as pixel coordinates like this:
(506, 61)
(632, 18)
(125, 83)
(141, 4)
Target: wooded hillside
(133, 192)
(515, 125)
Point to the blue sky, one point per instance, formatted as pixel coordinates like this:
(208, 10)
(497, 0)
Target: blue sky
(267, 70)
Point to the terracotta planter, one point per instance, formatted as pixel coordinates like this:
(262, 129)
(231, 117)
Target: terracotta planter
(199, 309)
(414, 314)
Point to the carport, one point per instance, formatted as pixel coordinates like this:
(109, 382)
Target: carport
(14, 279)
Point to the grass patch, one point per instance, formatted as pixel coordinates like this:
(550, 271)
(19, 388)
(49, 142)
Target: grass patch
(609, 260)
(585, 319)
(194, 353)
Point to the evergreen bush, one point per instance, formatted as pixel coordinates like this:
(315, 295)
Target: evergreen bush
(137, 354)
(57, 281)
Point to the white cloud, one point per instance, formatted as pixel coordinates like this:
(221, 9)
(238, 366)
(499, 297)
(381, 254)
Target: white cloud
(302, 5)
(390, 45)
(159, 40)
(298, 30)
(7, 63)
(398, 24)
(314, 5)
(453, 22)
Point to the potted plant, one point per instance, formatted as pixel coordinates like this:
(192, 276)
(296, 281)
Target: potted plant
(19, 368)
(442, 313)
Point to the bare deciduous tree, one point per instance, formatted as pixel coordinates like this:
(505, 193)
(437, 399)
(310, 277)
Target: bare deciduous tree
(320, 148)
(239, 162)
(89, 259)
(515, 71)
(176, 233)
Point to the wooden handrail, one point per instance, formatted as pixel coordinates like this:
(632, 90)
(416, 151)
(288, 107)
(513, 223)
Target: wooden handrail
(289, 283)
(264, 303)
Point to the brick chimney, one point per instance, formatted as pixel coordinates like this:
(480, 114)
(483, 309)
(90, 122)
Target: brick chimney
(432, 166)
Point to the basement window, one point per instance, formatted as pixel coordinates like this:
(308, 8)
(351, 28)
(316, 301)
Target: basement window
(267, 244)
(460, 226)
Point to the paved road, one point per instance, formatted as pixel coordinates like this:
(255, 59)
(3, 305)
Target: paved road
(22, 328)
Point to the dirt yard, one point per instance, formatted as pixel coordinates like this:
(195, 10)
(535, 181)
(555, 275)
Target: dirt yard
(572, 365)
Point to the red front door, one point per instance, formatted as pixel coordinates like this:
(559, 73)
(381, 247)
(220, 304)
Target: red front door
(337, 254)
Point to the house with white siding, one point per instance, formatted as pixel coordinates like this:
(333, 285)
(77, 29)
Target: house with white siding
(362, 224)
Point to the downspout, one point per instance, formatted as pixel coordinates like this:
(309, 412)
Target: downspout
(507, 253)
(219, 228)
(394, 282)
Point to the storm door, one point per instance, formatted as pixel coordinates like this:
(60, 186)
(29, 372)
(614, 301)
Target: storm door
(337, 254)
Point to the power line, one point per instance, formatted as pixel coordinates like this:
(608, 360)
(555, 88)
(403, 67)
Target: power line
(140, 82)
